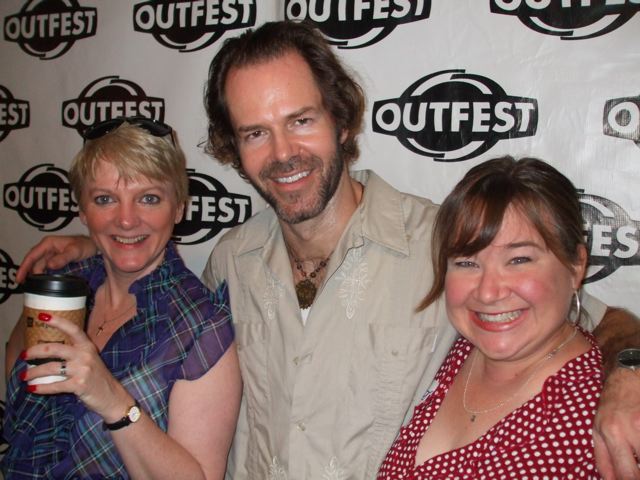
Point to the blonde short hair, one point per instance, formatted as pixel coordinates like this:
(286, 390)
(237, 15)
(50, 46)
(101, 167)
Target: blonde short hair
(135, 153)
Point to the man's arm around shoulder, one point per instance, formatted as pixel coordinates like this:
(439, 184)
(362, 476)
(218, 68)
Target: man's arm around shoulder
(617, 424)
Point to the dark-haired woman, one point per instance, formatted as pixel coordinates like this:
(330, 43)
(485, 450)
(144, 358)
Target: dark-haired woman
(517, 394)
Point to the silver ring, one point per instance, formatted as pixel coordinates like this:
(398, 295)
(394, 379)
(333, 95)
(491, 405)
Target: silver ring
(63, 369)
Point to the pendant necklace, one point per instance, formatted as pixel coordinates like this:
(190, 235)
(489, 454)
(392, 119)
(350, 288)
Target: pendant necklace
(306, 288)
(548, 356)
(106, 320)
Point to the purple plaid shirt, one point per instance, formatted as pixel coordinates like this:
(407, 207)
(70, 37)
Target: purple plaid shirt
(180, 331)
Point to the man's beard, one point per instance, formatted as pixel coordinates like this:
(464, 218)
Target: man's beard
(327, 189)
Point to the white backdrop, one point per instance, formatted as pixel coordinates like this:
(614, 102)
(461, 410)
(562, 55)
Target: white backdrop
(556, 79)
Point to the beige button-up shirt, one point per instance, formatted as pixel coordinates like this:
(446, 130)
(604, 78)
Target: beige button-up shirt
(324, 400)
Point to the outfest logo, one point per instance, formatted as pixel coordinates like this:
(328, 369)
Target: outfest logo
(110, 97)
(47, 29)
(211, 208)
(451, 116)
(622, 118)
(613, 237)
(42, 197)
(349, 24)
(569, 19)
(14, 113)
(8, 284)
(188, 26)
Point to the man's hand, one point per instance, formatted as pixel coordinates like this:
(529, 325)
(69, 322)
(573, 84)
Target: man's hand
(616, 431)
(55, 252)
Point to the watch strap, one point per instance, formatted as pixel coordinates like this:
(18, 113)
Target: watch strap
(124, 421)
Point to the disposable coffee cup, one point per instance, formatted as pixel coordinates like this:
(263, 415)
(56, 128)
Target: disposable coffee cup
(60, 295)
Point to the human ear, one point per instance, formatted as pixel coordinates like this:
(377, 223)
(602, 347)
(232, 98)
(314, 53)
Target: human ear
(579, 269)
(179, 213)
(344, 134)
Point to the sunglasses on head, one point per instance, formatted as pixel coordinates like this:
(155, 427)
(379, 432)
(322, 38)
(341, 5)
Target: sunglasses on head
(154, 127)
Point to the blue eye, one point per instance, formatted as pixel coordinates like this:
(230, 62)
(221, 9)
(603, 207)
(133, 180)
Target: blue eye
(520, 260)
(464, 263)
(102, 199)
(150, 199)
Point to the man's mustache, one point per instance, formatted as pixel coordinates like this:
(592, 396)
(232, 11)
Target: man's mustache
(277, 168)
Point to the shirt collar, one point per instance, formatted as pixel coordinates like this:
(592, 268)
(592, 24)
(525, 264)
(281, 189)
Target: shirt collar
(381, 213)
(157, 277)
(380, 218)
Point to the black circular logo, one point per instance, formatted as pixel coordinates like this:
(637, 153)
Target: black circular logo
(191, 26)
(47, 29)
(348, 24)
(452, 116)
(8, 284)
(42, 198)
(211, 208)
(569, 19)
(110, 97)
(14, 114)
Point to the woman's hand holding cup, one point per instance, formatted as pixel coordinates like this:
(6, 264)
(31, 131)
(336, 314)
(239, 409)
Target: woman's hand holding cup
(86, 374)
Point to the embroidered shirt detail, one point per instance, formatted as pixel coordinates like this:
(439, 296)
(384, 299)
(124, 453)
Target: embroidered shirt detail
(354, 276)
(276, 471)
(333, 471)
(271, 296)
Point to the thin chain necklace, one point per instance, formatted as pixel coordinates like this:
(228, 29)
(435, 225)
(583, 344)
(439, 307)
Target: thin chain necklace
(106, 320)
(548, 356)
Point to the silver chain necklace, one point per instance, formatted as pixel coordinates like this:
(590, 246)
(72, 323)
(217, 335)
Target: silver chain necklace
(548, 356)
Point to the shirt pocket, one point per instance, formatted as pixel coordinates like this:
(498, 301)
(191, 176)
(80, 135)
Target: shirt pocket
(400, 355)
(386, 365)
(251, 344)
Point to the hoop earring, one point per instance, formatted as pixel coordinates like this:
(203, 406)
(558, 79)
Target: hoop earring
(576, 318)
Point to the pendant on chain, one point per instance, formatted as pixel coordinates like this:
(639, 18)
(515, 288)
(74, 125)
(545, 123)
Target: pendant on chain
(306, 288)
(306, 292)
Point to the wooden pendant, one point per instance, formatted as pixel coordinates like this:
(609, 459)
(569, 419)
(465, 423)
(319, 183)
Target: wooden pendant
(306, 292)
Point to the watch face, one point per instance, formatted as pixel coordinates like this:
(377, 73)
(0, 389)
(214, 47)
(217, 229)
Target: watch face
(629, 358)
(134, 414)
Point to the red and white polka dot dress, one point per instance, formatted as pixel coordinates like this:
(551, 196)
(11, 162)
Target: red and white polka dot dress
(549, 437)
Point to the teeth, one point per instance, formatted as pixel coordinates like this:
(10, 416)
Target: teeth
(130, 241)
(292, 178)
(499, 317)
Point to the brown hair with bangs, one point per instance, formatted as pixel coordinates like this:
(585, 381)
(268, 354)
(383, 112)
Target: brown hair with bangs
(135, 153)
(472, 214)
(341, 95)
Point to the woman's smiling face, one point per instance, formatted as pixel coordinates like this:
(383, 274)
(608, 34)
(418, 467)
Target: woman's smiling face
(129, 221)
(511, 297)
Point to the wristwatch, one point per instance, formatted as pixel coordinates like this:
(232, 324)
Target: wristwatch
(132, 416)
(629, 358)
